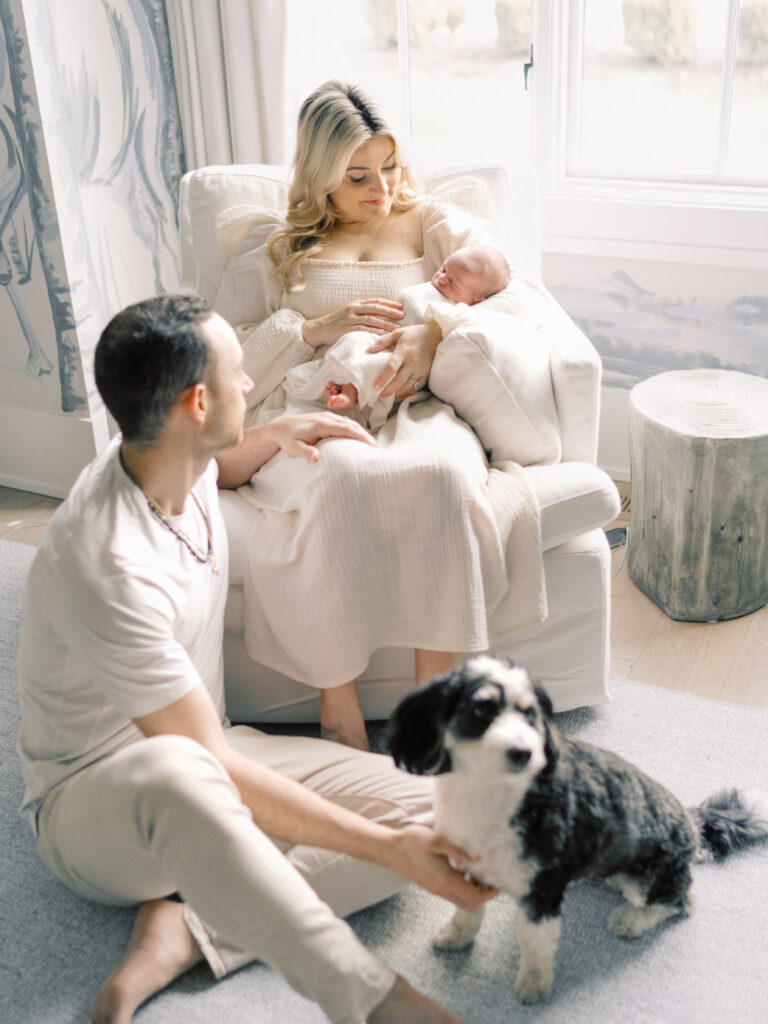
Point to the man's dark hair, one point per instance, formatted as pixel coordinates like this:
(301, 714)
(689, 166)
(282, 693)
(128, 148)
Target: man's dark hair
(147, 355)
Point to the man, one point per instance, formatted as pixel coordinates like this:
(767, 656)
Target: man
(136, 785)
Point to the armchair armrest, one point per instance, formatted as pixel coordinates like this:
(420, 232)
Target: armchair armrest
(576, 374)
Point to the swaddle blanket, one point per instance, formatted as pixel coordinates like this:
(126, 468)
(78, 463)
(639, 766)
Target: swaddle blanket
(349, 362)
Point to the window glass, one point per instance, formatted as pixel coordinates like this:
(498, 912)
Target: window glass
(334, 39)
(748, 143)
(651, 88)
(468, 99)
(652, 96)
(461, 95)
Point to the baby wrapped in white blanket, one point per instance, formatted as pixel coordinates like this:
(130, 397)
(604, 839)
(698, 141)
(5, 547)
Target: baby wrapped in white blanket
(490, 365)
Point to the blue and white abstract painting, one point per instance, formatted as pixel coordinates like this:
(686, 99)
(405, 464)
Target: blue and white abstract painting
(39, 360)
(92, 157)
(645, 318)
(108, 103)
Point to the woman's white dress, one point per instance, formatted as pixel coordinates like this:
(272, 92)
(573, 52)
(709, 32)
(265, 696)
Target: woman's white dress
(414, 543)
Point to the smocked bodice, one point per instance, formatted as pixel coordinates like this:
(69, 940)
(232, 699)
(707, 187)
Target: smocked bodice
(331, 284)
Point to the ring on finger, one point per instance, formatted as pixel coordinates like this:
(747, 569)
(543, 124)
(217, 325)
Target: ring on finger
(414, 382)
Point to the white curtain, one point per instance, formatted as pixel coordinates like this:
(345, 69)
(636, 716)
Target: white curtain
(229, 65)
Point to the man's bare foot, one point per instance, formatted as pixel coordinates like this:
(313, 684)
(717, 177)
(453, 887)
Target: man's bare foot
(161, 948)
(404, 1005)
(341, 717)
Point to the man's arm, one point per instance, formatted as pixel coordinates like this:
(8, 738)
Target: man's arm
(286, 810)
(296, 435)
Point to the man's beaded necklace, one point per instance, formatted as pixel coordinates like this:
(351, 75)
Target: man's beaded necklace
(204, 557)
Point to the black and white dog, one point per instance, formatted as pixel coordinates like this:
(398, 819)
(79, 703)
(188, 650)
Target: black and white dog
(541, 811)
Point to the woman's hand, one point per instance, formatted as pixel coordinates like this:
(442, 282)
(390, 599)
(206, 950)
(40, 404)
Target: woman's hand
(427, 858)
(408, 367)
(376, 316)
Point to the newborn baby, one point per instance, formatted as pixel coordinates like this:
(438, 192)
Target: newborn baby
(475, 276)
(469, 275)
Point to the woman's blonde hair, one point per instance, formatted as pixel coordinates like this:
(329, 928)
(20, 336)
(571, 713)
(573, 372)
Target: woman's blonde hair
(334, 121)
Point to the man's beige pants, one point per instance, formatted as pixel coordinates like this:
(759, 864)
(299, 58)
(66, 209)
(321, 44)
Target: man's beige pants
(162, 816)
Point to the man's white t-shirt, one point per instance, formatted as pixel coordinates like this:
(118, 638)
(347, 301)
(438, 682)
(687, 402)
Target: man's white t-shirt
(120, 621)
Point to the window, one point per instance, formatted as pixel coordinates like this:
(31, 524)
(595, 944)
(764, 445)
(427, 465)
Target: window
(652, 116)
(681, 84)
(449, 72)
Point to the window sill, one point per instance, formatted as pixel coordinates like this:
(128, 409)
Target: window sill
(696, 224)
(645, 191)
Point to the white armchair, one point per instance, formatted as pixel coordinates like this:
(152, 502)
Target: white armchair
(569, 651)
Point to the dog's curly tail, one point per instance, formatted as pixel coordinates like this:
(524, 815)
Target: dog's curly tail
(729, 821)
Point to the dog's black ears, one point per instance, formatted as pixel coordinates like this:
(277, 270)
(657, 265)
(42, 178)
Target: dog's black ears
(552, 733)
(417, 728)
(545, 702)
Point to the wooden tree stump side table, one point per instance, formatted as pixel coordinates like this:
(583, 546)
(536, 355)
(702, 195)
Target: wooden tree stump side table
(698, 546)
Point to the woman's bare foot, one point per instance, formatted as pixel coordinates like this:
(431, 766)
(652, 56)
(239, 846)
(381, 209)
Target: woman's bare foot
(404, 1005)
(161, 948)
(341, 717)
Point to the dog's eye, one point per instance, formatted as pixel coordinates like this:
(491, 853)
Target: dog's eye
(485, 709)
(528, 712)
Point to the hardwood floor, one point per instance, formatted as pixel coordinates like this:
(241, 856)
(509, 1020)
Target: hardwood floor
(23, 515)
(723, 660)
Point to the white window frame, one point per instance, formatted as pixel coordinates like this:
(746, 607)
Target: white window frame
(704, 223)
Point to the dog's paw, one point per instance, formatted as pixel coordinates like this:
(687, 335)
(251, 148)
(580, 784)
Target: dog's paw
(630, 922)
(626, 922)
(450, 937)
(532, 986)
(459, 931)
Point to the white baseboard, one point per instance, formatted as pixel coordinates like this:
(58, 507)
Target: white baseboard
(43, 452)
(613, 443)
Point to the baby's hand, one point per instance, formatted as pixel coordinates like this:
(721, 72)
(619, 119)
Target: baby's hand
(340, 396)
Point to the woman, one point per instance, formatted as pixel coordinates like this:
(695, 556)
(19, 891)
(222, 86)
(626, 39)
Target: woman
(401, 544)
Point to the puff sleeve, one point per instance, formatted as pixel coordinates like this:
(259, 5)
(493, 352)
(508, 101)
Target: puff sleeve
(456, 214)
(249, 298)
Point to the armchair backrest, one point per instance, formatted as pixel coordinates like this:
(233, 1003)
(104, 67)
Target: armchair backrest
(575, 365)
(208, 191)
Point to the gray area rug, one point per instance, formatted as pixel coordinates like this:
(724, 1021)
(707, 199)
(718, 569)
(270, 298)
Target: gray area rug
(56, 948)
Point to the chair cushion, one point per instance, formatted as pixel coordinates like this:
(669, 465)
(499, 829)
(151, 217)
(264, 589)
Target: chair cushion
(573, 497)
(496, 376)
(205, 193)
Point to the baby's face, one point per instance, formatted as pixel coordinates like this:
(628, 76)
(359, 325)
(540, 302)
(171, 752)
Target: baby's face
(458, 281)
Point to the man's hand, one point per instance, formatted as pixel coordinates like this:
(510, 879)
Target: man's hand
(298, 435)
(426, 857)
